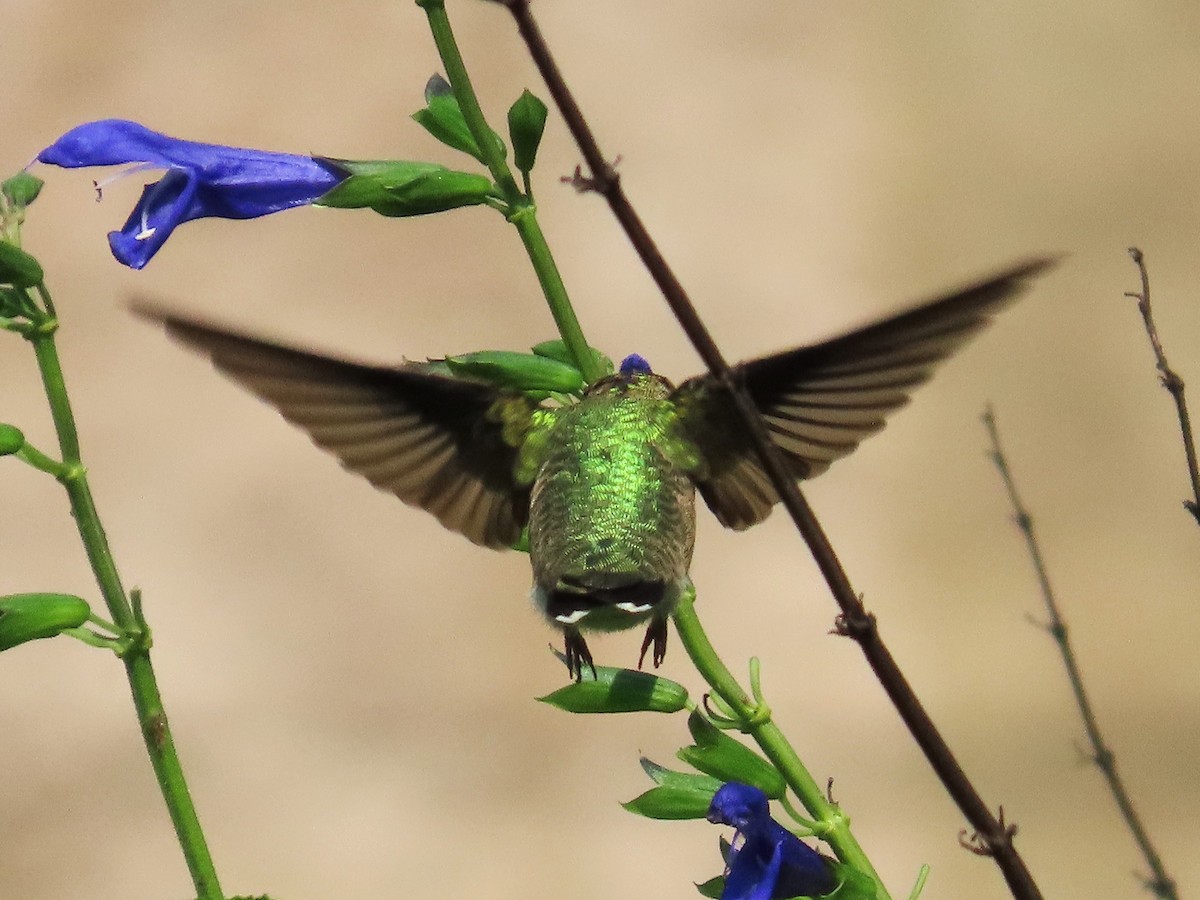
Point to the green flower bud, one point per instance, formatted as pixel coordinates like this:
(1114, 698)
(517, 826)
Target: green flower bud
(619, 691)
(400, 188)
(522, 371)
(717, 754)
(18, 268)
(670, 803)
(442, 117)
(28, 617)
(21, 190)
(526, 122)
(557, 349)
(11, 439)
(689, 781)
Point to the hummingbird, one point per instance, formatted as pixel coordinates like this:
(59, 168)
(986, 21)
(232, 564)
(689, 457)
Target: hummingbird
(605, 486)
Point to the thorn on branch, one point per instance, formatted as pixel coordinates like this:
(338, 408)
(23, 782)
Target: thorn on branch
(989, 844)
(603, 182)
(860, 626)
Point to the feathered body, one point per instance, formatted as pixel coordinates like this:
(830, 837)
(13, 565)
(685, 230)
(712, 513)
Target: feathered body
(605, 485)
(612, 515)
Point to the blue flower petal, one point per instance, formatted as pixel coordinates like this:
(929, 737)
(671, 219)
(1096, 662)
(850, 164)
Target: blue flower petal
(766, 861)
(201, 180)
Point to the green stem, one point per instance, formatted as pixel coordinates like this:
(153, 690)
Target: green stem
(522, 212)
(833, 825)
(146, 698)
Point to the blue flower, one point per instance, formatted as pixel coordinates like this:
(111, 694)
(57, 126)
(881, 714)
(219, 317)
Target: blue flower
(766, 861)
(201, 180)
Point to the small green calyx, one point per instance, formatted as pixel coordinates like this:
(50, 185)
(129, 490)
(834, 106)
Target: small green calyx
(400, 188)
(526, 122)
(442, 117)
(21, 190)
(717, 754)
(677, 795)
(30, 617)
(11, 440)
(619, 691)
(18, 268)
(557, 349)
(523, 371)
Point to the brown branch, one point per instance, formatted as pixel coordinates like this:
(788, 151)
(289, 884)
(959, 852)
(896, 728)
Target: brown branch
(1170, 380)
(1161, 884)
(854, 620)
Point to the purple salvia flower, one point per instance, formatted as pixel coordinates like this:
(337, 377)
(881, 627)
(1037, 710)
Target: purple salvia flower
(201, 180)
(766, 861)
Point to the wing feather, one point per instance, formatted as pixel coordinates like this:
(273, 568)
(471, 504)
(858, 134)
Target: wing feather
(435, 442)
(819, 402)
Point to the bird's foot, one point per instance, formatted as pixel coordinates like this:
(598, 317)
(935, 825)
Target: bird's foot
(656, 635)
(578, 655)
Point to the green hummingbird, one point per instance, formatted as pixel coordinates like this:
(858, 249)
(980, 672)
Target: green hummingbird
(606, 485)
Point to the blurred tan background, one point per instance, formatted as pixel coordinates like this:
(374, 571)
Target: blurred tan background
(351, 687)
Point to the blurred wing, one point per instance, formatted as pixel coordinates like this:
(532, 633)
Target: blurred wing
(433, 441)
(819, 402)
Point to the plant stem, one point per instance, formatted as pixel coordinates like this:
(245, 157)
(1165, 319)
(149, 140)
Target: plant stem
(1160, 883)
(1170, 380)
(521, 210)
(755, 721)
(146, 698)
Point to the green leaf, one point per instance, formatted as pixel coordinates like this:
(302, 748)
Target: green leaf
(670, 803)
(18, 268)
(619, 691)
(664, 777)
(719, 755)
(442, 117)
(22, 189)
(713, 888)
(29, 617)
(557, 349)
(402, 188)
(526, 122)
(11, 439)
(523, 371)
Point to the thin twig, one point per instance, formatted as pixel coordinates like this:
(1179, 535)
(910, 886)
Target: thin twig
(1170, 380)
(1160, 884)
(854, 620)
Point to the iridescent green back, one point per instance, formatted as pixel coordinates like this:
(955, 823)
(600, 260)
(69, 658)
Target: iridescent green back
(607, 501)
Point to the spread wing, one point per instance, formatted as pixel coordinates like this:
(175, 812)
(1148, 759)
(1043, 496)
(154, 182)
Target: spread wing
(434, 441)
(820, 401)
